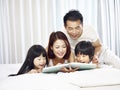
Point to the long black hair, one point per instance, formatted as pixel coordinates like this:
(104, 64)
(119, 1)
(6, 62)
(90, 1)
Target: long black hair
(33, 52)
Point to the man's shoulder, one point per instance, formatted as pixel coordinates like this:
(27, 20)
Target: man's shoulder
(88, 27)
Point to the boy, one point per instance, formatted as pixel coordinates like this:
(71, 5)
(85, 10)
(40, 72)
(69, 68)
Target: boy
(84, 52)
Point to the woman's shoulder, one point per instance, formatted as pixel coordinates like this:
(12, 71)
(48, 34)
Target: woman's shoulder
(50, 62)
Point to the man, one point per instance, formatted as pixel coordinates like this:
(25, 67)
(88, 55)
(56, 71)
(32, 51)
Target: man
(76, 31)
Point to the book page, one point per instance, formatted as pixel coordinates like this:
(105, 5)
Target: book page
(83, 66)
(54, 69)
(57, 68)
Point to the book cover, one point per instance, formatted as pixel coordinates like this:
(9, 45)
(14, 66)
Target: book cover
(57, 68)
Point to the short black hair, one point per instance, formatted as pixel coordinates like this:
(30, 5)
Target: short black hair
(86, 48)
(73, 15)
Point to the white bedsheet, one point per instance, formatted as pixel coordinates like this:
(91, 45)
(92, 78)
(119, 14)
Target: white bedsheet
(6, 69)
(36, 82)
(96, 79)
(93, 78)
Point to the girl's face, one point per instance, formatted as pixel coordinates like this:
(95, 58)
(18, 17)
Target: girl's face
(59, 48)
(82, 58)
(39, 62)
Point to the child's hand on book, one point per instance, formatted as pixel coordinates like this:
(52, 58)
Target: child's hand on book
(35, 71)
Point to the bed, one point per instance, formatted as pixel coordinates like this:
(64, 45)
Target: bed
(95, 79)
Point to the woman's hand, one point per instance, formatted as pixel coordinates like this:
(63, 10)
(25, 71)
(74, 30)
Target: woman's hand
(70, 69)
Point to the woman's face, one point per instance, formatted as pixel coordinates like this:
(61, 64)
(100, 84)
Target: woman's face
(82, 58)
(59, 48)
(39, 62)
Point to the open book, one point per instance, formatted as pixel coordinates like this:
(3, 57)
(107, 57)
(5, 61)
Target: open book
(57, 68)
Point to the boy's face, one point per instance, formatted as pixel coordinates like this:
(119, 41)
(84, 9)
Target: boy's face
(82, 58)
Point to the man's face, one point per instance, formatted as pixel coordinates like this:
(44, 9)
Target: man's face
(74, 29)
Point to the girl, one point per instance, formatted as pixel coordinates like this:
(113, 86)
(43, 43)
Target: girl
(35, 61)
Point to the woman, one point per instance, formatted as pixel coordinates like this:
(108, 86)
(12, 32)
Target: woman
(59, 50)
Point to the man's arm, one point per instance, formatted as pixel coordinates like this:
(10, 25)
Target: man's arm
(97, 44)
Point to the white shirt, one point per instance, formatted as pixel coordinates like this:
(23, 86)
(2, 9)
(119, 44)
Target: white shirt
(89, 34)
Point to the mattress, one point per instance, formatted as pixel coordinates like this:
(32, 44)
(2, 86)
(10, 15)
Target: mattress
(95, 79)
